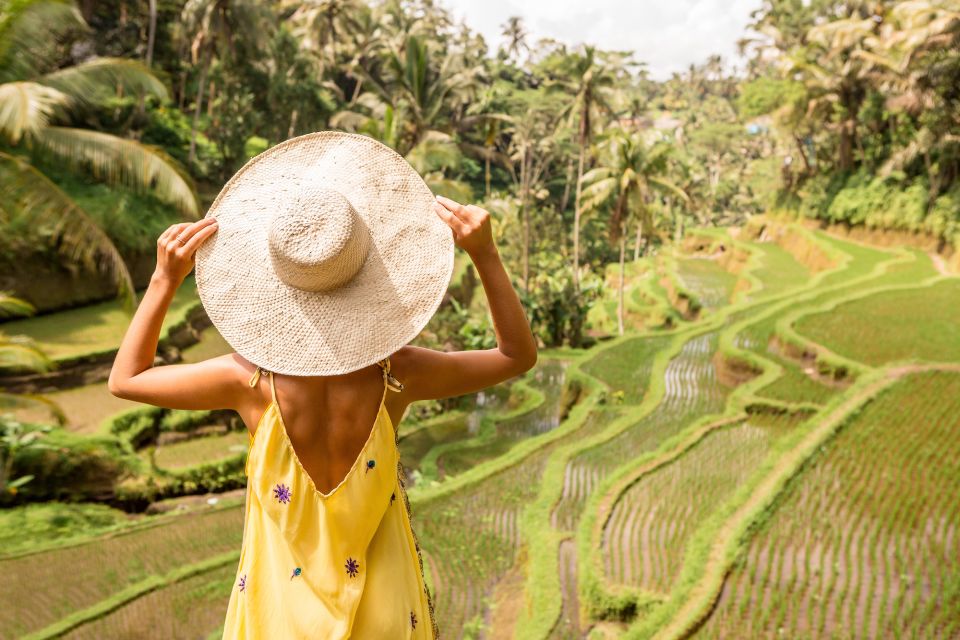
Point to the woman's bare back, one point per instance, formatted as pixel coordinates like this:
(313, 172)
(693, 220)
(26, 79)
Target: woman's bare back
(328, 419)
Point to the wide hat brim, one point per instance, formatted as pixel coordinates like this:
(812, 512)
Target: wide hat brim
(383, 307)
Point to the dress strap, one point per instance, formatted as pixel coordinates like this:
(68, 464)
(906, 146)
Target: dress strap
(392, 383)
(255, 378)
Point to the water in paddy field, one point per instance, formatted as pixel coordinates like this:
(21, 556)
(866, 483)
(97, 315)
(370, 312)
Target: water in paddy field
(463, 441)
(691, 390)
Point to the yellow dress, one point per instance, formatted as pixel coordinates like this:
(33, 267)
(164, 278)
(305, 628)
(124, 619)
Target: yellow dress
(340, 565)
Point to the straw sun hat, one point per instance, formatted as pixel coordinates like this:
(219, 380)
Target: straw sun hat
(328, 256)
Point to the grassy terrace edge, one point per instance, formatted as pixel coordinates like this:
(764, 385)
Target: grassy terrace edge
(543, 597)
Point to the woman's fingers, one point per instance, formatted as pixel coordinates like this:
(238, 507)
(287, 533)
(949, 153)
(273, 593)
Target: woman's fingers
(170, 233)
(453, 207)
(453, 221)
(197, 238)
(193, 228)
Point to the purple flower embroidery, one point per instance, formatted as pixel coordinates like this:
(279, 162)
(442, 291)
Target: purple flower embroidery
(353, 567)
(413, 620)
(243, 582)
(282, 493)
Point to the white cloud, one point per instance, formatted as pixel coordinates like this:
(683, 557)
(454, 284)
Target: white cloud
(668, 35)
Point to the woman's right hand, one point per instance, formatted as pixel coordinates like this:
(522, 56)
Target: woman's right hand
(177, 247)
(470, 224)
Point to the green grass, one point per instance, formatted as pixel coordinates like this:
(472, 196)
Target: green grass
(93, 329)
(189, 453)
(211, 345)
(780, 271)
(645, 539)
(708, 281)
(188, 608)
(865, 538)
(25, 527)
(627, 368)
(890, 326)
(64, 580)
(691, 391)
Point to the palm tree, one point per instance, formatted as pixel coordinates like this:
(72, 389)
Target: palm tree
(516, 34)
(629, 173)
(590, 79)
(213, 28)
(431, 93)
(37, 100)
(20, 353)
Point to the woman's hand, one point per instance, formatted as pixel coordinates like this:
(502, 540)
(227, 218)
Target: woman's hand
(470, 224)
(177, 247)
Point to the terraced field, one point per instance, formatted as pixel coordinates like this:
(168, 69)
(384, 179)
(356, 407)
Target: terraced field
(870, 560)
(645, 538)
(783, 465)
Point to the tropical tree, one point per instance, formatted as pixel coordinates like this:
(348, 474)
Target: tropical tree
(628, 175)
(590, 78)
(516, 35)
(39, 101)
(19, 354)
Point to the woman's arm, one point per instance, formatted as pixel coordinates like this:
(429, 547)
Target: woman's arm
(429, 374)
(212, 384)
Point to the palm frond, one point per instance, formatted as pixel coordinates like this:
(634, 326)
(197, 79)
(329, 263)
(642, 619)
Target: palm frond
(22, 353)
(90, 81)
(118, 160)
(435, 152)
(448, 187)
(31, 195)
(26, 400)
(11, 306)
(668, 187)
(24, 24)
(26, 108)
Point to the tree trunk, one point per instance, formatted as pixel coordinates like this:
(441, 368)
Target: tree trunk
(210, 98)
(293, 123)
(636, 244)
(151, 32)
(576, 222)
(524, 198)
(565, 200)
(486, 173)
(803, 154)
(201, 86)
(620, 309)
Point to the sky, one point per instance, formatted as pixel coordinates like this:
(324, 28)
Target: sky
(668, 35)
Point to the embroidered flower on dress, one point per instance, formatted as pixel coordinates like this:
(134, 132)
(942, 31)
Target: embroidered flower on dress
(296, 572)
(282, 493)
(243, 582)
(393, 496)
(371, 464)
(353, 567)
(413, 620)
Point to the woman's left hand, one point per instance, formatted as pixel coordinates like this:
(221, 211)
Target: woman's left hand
(177, 246)
(470, 224)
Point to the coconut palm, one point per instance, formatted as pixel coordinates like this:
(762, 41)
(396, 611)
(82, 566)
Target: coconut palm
(514, 31)
(629, 173)
(590, 78)
(20, 353)
(37, 102)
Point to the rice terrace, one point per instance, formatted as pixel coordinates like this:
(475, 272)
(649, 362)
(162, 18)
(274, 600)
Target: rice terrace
(742, 486)
(742, 278)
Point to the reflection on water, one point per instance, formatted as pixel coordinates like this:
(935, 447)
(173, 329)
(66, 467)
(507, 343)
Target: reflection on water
(461, 441)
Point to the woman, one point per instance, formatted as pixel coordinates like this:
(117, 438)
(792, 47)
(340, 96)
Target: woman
(318, 289)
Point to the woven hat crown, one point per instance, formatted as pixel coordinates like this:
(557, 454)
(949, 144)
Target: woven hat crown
(319, 241)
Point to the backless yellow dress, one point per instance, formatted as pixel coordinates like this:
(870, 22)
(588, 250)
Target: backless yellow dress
(326, 566)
